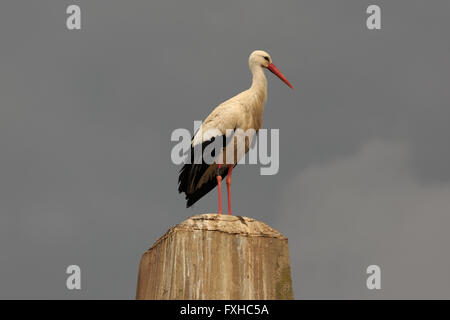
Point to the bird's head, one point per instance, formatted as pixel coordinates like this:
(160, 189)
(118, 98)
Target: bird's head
(260, 58)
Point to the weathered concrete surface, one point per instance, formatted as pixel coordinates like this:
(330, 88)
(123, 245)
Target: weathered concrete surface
(213, 256)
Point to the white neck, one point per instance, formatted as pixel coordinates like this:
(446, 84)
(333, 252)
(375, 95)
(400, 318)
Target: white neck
(259, 82)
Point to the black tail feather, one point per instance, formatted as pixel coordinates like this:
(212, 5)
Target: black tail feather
(191, 173)
(195, 171)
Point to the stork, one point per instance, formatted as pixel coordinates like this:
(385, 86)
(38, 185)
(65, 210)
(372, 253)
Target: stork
(243, 111)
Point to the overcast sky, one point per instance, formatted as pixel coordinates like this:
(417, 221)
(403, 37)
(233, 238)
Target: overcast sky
(86, 118)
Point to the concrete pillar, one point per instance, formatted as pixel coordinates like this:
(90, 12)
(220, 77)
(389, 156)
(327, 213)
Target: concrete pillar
(211, 256)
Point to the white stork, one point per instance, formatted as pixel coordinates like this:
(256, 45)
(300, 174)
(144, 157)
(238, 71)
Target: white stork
(243, 111)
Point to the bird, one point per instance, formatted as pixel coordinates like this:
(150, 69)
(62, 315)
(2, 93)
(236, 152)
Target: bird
(241, 113)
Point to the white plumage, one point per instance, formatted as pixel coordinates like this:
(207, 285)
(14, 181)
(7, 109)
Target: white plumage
(243, 111)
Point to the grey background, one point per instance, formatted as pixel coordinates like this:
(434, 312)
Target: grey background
(86, 118)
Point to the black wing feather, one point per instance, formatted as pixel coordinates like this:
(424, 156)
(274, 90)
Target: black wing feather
(191, 173)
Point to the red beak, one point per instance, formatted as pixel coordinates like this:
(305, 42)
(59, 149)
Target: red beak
(278, 73)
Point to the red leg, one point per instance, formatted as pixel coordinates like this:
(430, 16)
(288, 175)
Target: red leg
(230, 169)
(219, 182)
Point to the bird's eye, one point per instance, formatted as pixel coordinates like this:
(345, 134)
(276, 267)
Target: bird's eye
(267, 58)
